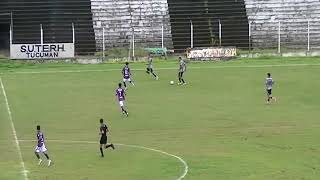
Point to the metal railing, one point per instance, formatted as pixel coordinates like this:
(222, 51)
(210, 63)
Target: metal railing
(128, 37)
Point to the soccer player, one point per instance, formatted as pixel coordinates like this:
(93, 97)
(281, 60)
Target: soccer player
(126, 75)
(104, 138)
(150, 67)
(41, 148)
(182, 70)
(269, 84)
(120, 94)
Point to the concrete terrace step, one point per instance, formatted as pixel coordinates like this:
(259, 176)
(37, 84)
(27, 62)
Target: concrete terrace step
(118, 17)
(293, 15)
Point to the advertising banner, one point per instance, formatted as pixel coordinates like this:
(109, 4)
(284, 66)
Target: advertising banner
(42, 51)
(212, 53)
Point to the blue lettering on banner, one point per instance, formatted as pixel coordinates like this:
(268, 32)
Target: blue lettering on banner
(38, 47)
(43, 55)
(61, 47)
(30, 49)
(34, 51)
(23, 48)
(45, 48)
(53, 47)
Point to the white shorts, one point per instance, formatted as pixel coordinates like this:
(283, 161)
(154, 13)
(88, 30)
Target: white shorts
(121, 103)
(126, 80)
(41, 149)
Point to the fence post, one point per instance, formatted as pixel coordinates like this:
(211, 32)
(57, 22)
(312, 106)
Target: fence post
(133, 43)
(73, 34)
(103, 44)
(73, 38)
(308, 35)
(249, 37)
(11, 34)
(41, 34)
(162, 36)
(129, 51)
(279, 38)
(11, 19)
(220, 33)
(191, 34)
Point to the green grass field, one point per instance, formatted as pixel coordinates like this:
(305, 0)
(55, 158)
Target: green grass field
(219, 123)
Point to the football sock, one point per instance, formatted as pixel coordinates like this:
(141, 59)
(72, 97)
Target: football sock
(154, 74)
(182, 80)
(123, 110)
(124, 83)
(37, 155)
(46, 156)
(107, 146)
(101, 152)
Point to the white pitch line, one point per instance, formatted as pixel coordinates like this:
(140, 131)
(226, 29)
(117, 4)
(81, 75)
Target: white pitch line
(186, 167)
(14, 131)
(142, 69)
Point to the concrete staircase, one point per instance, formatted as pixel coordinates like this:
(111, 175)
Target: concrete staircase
(293, 16)
(56, 17)
(118, 17)
(205, 16)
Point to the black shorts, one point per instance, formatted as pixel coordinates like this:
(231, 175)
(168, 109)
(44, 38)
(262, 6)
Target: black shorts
(269, 91)
(181, 74)
(103, 140)
(150, 70)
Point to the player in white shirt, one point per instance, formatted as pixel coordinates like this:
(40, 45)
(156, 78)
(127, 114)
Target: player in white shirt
(269, 83)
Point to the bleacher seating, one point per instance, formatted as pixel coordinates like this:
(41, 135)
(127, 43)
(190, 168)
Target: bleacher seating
(205, 16)
(119, 17)
(56, 17)
(293, 17)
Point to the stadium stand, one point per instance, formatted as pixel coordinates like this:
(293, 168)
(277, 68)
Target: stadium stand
(56, 17)
(205, 16)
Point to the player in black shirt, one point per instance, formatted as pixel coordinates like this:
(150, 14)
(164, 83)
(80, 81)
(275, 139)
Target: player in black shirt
(103, 140)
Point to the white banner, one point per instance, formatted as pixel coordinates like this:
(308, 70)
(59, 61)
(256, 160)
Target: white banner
(42, 51)
(211, 52)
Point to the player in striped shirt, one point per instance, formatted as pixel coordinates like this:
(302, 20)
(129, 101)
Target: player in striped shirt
(182, 70)
(269, 83)
(41, 147)
(150, 67)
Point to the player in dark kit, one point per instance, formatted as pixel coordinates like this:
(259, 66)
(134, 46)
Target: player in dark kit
(120, 93)
(126, 75)
(182, 70)
(150, 67)
(41, 147)
(104, 138)
(269, 84)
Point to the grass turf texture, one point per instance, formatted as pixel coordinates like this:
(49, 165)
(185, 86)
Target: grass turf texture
(219, 122)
